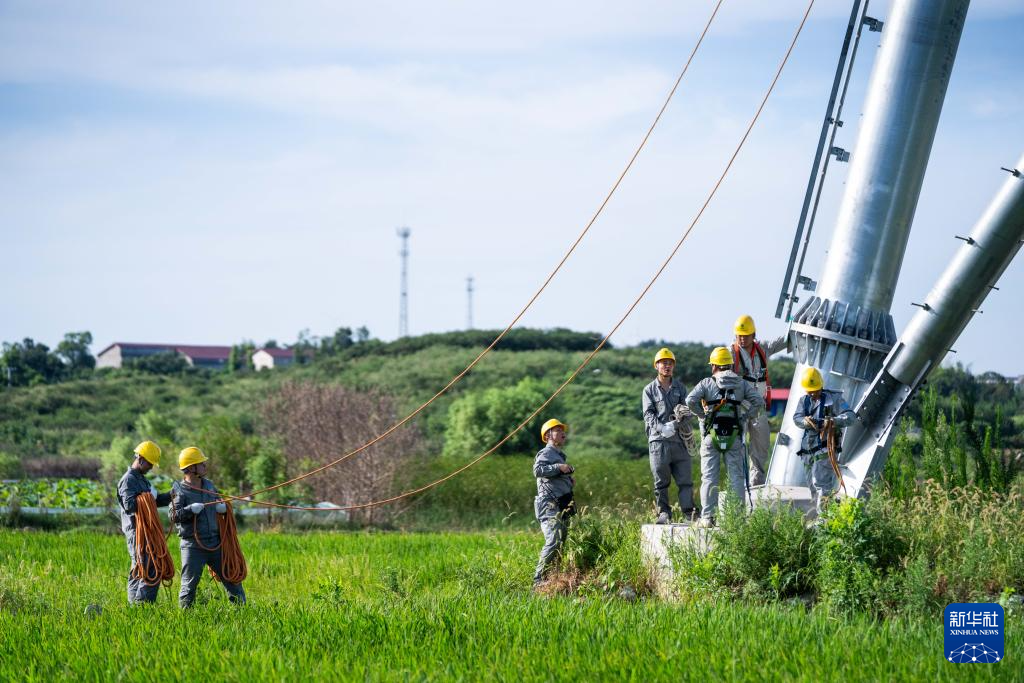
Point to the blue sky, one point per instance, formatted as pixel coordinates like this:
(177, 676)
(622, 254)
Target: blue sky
(212, 172)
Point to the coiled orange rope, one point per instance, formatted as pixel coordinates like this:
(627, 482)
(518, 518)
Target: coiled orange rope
(832, 443)
(233, 568)
(153, 564)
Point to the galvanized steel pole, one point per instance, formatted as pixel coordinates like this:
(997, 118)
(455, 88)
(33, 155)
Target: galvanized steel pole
(846, 330)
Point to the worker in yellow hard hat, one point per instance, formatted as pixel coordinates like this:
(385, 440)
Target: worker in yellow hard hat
(133, 484)
(669, 424)
(750, 361)
(822, 414)
(723, 402)
(554, 503)
(194, 512)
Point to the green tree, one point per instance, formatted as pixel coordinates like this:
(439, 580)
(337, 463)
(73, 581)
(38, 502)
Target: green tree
(29, 363)
(165, 363)
(74, 351)
(480, 420)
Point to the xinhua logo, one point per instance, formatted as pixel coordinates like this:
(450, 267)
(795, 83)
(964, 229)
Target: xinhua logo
(974, 633)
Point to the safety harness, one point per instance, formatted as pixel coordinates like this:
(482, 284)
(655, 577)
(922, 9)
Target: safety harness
(722, 421)
(830, 438)
(739, 367)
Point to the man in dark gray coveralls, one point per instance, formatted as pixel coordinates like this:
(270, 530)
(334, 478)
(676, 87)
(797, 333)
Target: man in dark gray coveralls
(554, 503)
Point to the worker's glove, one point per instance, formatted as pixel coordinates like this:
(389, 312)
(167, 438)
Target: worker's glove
(745, 406)
(221, 508)
(810, 423)
(196, 508)
(668, 429)
(152, 491)
(682, 412)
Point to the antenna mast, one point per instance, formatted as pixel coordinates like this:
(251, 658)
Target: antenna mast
(403, 302)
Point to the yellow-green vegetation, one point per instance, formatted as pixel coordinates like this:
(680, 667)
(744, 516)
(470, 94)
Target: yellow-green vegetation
(388, 606)
(889, 557)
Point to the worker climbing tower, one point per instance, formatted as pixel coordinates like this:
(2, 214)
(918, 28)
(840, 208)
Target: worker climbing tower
(845, 330)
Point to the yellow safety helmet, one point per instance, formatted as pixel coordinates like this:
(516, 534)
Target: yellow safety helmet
(721, 356)
(148, 451)
(551, 424)
(811, 380)
(662, 355)
(190, 456)
(744, 325)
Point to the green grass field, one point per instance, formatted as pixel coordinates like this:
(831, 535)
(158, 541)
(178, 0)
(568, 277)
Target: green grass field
(430, 606)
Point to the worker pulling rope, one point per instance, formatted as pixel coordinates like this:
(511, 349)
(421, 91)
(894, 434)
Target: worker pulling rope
(246, 498)
(822, 414)
(533, 299)
(233, 566)
(153, 564)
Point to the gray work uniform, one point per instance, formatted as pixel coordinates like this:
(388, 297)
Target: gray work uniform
(813, 448)
(194, 558)
(669, 456)
(750, 368)
(552, 484)
(129, 487)
(711, 390)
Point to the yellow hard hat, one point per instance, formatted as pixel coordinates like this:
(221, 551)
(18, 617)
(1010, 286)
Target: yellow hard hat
(721, 356)
(744, 325)
(190, 456)
(811, 380)
(551, 424)
(662, 355)
(148, 451)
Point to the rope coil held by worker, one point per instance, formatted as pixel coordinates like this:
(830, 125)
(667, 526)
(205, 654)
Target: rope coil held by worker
(153, 563)
(829, 436)
(233, 567)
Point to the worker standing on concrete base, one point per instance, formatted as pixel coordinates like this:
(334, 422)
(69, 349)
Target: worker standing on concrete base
(198, 529)
(821, 414)
(131, 485)
(723, 402)
(750, 361)
(668, 423)
(554, 503)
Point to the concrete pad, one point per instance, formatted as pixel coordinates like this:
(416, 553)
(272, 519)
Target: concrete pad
(657, 540)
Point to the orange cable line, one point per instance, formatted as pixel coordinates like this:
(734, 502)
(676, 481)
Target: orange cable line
(604, 341)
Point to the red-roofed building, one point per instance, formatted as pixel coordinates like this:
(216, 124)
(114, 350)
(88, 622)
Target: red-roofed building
(212, 357)
(779, 399)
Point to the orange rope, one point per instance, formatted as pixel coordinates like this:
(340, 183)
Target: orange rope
(233, 568)
(152, 560)
(586, 361)
(829, 434)
(536, 295)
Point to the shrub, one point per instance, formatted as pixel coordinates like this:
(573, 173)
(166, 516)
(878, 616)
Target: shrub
(478, 421)
(10, 466)
(602, 552)
(116, 459)
(763, 555)
(854, 552)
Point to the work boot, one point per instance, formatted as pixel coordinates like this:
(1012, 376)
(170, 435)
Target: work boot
(663, 518)
(704, 523)
(691, 515)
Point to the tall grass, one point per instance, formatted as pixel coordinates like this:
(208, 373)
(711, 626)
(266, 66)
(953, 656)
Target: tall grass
(376, 606)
